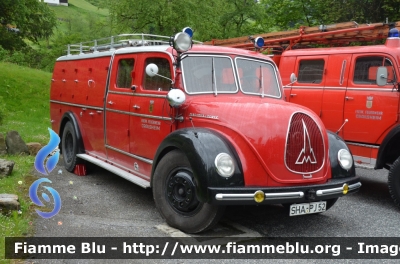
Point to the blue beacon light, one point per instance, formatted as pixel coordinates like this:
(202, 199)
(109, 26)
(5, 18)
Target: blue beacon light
(393, 33)
(188, 31)
(259, 42)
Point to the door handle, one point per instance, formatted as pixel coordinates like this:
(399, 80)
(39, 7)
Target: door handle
(91, 81)
(349, 98)
(136, 107)
(91, 113)
(293, 95)
(110, 102)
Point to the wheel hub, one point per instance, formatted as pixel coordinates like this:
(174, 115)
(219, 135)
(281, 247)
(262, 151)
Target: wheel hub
(181, 192)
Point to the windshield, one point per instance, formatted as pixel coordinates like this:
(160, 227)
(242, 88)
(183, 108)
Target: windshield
(257, 77)
(218, 74)
(206, 74)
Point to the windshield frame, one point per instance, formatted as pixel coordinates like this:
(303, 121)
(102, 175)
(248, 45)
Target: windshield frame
(212, 91)
(261, 94)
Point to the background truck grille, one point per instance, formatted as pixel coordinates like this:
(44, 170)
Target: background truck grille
(305, 152)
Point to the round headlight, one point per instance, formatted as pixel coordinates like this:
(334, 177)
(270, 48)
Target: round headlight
(225, 165)
(176, 97)
(182, 42)
(345, 159)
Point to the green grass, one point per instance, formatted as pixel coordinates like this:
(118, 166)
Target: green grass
(17, 223)
(79, 16)
(88, 6)
(25, 93)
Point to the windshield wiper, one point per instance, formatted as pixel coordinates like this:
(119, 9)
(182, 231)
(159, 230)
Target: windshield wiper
(261, 82)
(214, 83)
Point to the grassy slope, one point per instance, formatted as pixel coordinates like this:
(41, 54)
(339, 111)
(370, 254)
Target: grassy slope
(78, 12)
(88, 6)
(25, 93)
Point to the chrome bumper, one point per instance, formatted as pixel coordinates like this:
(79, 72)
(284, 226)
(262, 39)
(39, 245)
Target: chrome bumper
(286, 195)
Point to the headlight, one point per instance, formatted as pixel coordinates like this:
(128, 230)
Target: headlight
(225, 165)
(182, 42)
(345, 159)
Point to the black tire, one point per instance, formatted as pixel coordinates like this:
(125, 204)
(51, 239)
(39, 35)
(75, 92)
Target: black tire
(394, 182)
(69, 147)
(329, 204)
(175, 196)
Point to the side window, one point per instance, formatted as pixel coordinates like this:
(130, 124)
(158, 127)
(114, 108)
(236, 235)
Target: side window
(311, 71)
(366, 68)
(158, 83)
(124, 77)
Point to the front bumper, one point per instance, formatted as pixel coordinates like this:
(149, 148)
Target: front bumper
(334, 188)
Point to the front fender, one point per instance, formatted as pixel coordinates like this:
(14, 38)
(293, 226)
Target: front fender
(336, 143)
(201, 146)
(70, 117)
(389, 150)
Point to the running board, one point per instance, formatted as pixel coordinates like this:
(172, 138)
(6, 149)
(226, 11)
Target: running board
(111, 168)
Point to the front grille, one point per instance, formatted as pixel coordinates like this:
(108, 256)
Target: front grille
(305, 152)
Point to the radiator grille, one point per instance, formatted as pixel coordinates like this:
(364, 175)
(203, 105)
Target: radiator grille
(305, 152)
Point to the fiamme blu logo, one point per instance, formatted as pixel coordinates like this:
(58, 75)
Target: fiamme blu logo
(45, 161)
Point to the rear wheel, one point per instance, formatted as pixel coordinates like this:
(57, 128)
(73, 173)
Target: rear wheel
(174, 192)
(394, 182)
(69, 147)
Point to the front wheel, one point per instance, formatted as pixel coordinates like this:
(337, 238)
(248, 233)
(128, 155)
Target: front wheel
(394, 182)
(174, 192)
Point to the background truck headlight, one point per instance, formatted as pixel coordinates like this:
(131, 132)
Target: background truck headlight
(345, 159)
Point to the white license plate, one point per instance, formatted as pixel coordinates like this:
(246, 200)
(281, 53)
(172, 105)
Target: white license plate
(307, 208)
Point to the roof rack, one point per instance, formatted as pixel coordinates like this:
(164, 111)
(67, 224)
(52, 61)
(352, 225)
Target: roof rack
(117, 42)
(334, 34)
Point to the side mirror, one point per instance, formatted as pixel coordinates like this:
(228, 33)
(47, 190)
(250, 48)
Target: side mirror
(151, 70)
(381, 76)
(176, 97)
(293, 78)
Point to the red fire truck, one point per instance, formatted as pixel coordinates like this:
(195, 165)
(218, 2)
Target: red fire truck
(354, 89)
(203, 126)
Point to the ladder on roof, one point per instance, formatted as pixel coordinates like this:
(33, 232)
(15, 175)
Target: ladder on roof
(340, 34)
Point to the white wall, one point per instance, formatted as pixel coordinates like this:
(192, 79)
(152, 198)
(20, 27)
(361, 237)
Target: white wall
(55, 2)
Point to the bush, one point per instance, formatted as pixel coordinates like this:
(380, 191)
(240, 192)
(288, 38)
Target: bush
(40, 58)
(3, 54)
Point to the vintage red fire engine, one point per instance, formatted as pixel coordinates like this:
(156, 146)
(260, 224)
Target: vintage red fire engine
(353, 89)
(203, 126)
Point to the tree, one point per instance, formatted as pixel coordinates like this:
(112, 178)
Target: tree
(166, 17)
(29, 19)
(240, 16)
(286, 14)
